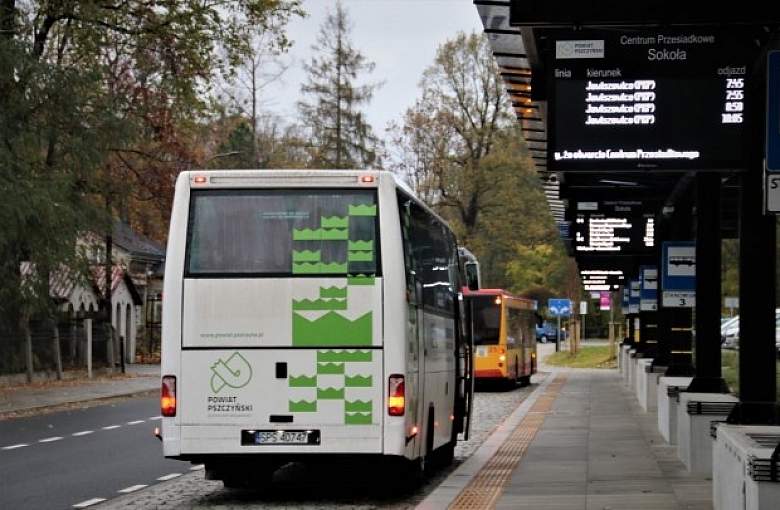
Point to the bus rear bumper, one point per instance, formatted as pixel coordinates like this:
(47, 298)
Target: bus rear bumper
(489, 373)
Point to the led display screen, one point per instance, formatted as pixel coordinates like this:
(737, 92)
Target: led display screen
(613, 234)
(602, 279)
(658, 12)
(647, 100)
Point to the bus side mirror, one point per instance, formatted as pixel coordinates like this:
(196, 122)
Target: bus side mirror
(472, 277)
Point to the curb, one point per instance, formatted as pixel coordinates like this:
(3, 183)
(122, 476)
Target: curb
(54, 407)
(449, 489)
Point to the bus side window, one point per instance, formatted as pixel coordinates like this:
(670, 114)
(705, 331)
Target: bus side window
(530, 327)
(410, 267)
(513, 333)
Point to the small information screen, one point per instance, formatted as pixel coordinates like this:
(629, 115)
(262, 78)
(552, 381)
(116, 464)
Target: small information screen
(648, 100)
(602, 279)
(612, 234)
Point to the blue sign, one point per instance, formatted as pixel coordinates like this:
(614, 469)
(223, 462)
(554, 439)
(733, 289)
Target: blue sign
(773, 111)
(678, 274)
(648, 292)
(559, 307)
(634, 296)
(679, 265)
(624, 304)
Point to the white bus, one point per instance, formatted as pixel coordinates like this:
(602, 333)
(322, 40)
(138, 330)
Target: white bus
(305, 314)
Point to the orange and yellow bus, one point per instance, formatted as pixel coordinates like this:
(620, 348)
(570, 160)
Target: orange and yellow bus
(503, 328)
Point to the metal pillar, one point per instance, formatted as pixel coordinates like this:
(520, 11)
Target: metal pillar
(679, 321)
(757, 372)
(708, 377)
(756, 296)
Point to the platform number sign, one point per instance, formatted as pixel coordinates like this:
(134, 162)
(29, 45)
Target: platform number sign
(679, 274)
(772, 188)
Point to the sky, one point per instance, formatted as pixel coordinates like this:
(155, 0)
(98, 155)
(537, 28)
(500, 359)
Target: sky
(399, 36)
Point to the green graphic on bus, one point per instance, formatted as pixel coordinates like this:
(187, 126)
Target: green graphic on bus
(331, 329)
(235, 372)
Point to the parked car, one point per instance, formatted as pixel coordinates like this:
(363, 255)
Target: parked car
(777, 335)
(548, 332)
(777, 341)
(729, 333)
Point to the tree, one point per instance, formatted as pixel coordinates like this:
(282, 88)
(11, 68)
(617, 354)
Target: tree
(260, 67)
(453, 127)
(278, 145)
(461, 151)
(99, 103)
(343, 137)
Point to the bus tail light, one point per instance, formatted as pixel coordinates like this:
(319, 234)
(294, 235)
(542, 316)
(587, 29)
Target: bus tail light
(168, 396)
(396, 398)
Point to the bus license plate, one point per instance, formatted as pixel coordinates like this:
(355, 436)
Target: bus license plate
(482, 351)
(281, 437)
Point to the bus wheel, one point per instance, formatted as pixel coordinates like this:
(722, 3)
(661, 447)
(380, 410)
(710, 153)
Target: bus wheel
(403, 475)
(510, 382)
(446, 454)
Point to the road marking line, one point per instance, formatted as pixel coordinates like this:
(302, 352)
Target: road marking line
(136, 422)
(82, 433)
(155, 418)
(169, 477)
(132, 489)
(111, 427)
(15, 446)
(49, 439)
(197, 468)
(89, 502)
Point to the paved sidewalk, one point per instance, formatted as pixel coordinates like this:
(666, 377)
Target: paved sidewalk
(138, 379)
(585, 445)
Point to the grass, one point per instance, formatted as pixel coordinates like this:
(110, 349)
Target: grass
(597, 356)
(730, 370)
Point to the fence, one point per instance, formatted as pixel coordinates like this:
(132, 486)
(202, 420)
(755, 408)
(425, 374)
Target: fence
(72, 332)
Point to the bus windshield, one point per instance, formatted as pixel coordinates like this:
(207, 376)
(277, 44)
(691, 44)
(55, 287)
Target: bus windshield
(487, 320)
(282, 233)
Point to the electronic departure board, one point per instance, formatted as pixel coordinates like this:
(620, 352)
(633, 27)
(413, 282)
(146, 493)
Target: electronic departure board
(614, 234)
(649, 100)
(602, 279)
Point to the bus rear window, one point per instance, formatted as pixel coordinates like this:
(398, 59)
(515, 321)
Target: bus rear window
(487, 320)
(282, 233)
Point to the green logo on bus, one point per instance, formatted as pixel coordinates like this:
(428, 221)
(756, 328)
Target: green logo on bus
(235, 372)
